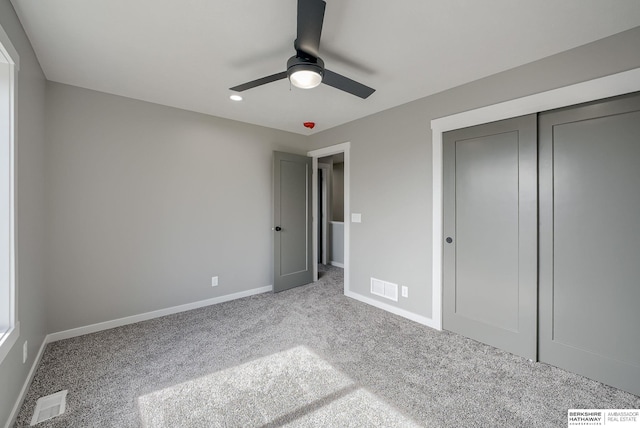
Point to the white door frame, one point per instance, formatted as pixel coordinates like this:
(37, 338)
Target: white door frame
(591, 90)
(315, 154)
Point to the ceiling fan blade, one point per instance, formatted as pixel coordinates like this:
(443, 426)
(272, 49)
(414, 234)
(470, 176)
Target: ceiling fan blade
(338, 81)
(310, 17)
(259, 82)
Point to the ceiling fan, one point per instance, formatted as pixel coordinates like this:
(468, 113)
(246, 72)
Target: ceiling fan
(306, 69)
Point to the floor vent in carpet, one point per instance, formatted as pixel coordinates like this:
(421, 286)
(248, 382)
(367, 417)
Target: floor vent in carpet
(49, 406)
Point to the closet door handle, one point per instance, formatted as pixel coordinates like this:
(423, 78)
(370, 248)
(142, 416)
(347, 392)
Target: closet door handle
(449, 240)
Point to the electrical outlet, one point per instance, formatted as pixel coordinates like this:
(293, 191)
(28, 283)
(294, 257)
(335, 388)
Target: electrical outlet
(405, 291)
(214, 281)
(25, 351)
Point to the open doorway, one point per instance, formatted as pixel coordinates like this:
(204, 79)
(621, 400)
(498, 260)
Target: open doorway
(330, 208)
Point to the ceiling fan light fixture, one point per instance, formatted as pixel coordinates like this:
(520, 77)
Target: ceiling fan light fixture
(305, 73)
(305, 79)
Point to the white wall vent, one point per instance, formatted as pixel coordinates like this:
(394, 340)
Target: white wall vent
(49, 406)
(385, 289)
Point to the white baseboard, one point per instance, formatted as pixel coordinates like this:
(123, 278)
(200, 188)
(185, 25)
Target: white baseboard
(23, 392)
(337, 264)
(393, 309)
(93, 328)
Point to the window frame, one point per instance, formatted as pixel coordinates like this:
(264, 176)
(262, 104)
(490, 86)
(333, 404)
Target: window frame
(9, 56)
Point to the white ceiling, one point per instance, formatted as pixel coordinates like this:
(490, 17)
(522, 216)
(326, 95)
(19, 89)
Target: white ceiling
(187, 53)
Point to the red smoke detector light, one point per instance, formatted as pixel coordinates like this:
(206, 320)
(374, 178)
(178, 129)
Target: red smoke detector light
(309, 125)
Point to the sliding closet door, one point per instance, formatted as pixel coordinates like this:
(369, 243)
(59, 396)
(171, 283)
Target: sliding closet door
(490, 215)
(590, 241)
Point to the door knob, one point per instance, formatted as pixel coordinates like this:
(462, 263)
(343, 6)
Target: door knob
(278, 228)
(449, 240)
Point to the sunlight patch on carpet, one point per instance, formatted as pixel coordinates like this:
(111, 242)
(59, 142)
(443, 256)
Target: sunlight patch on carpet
(291, 388)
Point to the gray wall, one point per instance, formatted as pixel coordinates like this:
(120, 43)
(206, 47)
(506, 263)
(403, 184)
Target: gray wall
(337, 242)
(337, 192)
(147, 203)
(391, 163)
(30, 213)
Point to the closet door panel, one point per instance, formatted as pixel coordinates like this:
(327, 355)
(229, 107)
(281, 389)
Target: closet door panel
(490, 234)
(590, 240)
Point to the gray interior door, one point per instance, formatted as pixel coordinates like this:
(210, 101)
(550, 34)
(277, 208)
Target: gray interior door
(590, 241)
(292, 216)
(490, 249)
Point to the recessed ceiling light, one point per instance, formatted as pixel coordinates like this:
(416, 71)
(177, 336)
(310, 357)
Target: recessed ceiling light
(235, 97)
